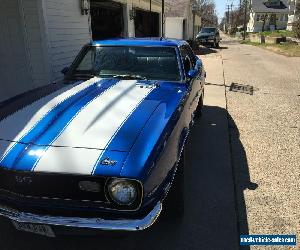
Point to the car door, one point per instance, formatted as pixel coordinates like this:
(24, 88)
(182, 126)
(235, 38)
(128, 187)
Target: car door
(194, 84)
(200, 78)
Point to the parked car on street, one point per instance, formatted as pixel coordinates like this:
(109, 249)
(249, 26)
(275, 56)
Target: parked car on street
(209, 36)
(103, 148)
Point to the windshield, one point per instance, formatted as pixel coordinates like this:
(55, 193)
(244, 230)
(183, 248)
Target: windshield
(148, 63)
(208, 30)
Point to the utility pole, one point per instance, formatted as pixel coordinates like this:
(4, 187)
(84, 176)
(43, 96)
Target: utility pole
(228, 16)
(162, 18)
(194, 7)
(231, 7)
(194, 16)
(240, 7)
(245, 19)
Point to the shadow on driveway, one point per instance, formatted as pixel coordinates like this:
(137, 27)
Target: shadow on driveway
(210, 221)
(202, 50)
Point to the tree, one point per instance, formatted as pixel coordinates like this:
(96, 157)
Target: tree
(207, 11)
(296, 28)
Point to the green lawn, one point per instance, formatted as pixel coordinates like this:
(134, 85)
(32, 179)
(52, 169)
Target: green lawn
(279, 33)
(287, 49)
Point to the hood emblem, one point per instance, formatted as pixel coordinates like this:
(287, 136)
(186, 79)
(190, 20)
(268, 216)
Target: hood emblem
(108, 162)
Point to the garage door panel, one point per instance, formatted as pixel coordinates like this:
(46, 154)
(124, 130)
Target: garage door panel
(15, 75)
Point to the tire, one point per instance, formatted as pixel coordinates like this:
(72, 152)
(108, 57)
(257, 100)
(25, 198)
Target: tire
(218, 45)
(198, 112)
(174, 203)
(215, 44)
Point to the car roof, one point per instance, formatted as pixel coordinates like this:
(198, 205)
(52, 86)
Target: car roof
(153, 41)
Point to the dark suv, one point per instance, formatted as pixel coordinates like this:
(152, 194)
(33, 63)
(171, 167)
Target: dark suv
(209, 36)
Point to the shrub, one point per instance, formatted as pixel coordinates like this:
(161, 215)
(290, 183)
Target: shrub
(296, 28)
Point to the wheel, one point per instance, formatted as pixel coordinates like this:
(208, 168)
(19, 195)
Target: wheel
(215, 44)
(198, 112)
(174, 203)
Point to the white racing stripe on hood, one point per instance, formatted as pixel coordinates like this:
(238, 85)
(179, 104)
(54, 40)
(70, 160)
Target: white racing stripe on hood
(94, 127)
(13, 127)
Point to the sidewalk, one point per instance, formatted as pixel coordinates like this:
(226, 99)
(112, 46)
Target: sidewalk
(212, 159)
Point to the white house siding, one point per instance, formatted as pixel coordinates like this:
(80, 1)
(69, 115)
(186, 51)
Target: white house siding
(174, 27)
(256, 26)
(33, 37)
(68, 30)
(14, 56)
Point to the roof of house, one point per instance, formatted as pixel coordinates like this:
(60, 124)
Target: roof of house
(270, 6)
(153, 41)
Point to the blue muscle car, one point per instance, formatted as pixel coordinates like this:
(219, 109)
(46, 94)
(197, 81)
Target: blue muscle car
(101, 149)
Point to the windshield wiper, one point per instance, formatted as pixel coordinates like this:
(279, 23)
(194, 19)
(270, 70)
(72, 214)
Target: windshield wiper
(83, 75)
(128, 76)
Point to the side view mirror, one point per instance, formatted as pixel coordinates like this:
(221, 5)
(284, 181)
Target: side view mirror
(65, 70)
(199, 64)
(192, 73)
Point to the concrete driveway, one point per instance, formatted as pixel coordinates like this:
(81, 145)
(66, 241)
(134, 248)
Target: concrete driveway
(264, 129)
(243, 165)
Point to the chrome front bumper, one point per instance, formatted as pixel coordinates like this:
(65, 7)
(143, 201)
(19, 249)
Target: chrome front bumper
(90, 223)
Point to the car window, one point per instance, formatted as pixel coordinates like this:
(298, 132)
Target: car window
(87, 62)
(187, 51)
(187, 62)
(191, 55)
(208, 30)
(152, 63)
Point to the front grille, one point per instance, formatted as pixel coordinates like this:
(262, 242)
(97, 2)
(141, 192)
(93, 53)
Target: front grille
(56, 194)
(53, 186)
(67, 208)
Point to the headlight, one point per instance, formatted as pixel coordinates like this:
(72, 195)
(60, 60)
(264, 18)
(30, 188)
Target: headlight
(123, 192)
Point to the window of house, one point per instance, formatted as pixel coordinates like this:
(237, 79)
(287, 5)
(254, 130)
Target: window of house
(281, 17)
(258, 17)
(286, 17)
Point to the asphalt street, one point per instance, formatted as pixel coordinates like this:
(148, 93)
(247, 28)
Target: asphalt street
(243, 160)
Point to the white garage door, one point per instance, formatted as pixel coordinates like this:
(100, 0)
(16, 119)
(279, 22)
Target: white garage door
(14, 68)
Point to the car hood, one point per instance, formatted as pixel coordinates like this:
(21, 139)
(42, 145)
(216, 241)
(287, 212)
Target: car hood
(89, 123)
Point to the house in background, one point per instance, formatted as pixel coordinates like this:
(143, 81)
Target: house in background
(268, 15)
(41, 37)
(182, 22)
(294, 13)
